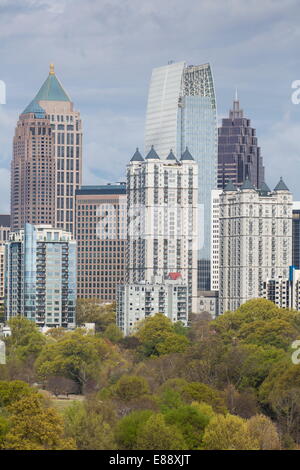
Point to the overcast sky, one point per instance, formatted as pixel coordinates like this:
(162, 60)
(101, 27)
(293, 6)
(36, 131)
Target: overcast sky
(104, 52)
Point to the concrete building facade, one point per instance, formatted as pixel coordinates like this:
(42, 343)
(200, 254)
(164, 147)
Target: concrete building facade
(138, 301)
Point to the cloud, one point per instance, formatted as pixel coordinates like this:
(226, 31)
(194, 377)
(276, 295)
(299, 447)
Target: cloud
(104, 51)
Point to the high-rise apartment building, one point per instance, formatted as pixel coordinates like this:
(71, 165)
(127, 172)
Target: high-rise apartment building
(33, 170)
(296, 234)
(53, 108)
(138, 301)
(162, 196)
(215, 239)
(40, 277)
(181, 112)
(255, 240)
(239, 156)
(4, 237)
(101, 240)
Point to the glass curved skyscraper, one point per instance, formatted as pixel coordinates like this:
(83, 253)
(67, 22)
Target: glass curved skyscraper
(181, 112)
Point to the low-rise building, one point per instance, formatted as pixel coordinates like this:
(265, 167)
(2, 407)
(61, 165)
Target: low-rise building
(284, 292)
(137, 301)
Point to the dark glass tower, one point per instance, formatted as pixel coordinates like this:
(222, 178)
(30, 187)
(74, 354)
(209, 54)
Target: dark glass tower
(296, 236)
(238, 154)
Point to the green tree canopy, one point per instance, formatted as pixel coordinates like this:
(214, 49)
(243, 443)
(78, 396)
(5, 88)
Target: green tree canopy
(155, 434)
(228, 433)
(77, 355)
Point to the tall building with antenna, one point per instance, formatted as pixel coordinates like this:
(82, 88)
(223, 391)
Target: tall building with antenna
(239, 156)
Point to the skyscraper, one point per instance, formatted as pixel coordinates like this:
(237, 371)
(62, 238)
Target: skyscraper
(181, 112)
(101, 240)
(55, 106)
(162, 213)
(255, 240)
(33, 170)
(296, 234)
(40, 281)
(239, 156)
(4, 237)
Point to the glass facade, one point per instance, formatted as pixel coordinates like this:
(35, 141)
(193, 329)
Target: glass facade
(41, 276)
(239, 156)
(182, 112)
(296, 238)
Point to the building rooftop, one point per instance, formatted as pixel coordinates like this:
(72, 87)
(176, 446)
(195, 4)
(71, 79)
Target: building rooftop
(247, 185)
(186, 155)
(171, 156)
(137, 157)
(281, 186)
(35, 108)
(4, 220)
(102, 189)
(230, 186)
(152, 154)
(52, 89)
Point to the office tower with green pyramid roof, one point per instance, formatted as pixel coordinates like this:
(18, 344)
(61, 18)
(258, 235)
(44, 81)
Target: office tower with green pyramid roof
(54, 104)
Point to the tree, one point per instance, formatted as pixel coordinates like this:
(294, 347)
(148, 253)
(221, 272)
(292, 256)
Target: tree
(155, 434)
(113, 333)
(128, 429)
(60, 385)
(130, 387)
(34, 427)
(77, 356)
(88, 429)
(93, 311)
(262, 429)
(4, 426)
(173, 343)
(13, 391)
(196, 391)
(191, 423)
(276, 332)
(157, 336)
(23, 347)
(228, 433)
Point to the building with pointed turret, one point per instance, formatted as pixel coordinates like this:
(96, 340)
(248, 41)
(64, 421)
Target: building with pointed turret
(255, 241)
(162, 220)
(239, 156)
(47, 165)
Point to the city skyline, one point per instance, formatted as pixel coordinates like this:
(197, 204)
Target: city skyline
(105, 85)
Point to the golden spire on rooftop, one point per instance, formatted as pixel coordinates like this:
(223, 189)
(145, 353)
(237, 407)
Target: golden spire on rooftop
(51, 72)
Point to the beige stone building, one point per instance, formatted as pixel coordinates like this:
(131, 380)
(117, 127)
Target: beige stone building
(255, 240)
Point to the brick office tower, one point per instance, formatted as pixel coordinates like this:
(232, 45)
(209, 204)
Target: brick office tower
(101, 240)
(239, 156)
(32, 170)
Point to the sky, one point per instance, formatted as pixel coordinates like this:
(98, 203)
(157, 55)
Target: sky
(104, 52)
